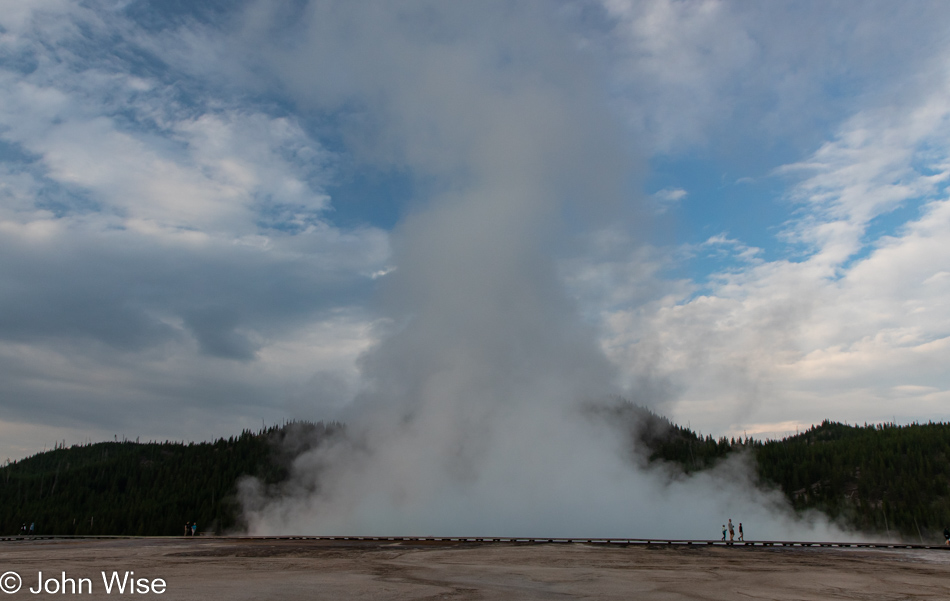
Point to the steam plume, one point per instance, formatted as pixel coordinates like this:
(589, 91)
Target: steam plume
(471, 420)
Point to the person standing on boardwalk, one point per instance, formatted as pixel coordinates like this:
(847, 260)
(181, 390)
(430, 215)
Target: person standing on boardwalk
(732, 532)
(741, 534)
(723, 532)
(946, 534)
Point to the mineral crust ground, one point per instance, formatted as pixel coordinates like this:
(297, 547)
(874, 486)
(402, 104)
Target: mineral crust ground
(287, 569)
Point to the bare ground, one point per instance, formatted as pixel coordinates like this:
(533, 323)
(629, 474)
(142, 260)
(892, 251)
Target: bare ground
(237, 569)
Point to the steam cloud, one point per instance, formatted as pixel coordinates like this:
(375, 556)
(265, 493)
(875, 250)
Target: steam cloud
(471, 417)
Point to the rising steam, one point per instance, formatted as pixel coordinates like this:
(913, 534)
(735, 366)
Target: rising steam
(471, 418)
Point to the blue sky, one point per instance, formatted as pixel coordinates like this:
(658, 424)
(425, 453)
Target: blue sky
(201, 209)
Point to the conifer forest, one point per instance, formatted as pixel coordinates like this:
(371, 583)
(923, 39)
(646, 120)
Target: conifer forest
(881, 479)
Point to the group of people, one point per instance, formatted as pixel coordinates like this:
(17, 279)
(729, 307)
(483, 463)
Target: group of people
(23, 530)
(732, 532)
(191, 528)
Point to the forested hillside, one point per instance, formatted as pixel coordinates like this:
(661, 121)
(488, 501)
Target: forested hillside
(877, 478)
(883, 479)
(146, 488)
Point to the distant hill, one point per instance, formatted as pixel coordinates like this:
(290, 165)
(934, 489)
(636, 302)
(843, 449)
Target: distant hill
(884, 479)
(147, 488)
(880, 478)
(877, 478)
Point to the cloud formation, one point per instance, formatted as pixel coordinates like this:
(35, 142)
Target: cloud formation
(157, 235)
(709, 73)
(179, 259)
(851, 325)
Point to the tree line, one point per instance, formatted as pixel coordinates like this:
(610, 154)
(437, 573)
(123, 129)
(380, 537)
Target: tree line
(133, 488)
(884, 478)
(879, 478)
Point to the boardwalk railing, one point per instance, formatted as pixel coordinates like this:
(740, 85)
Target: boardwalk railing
(617, 542)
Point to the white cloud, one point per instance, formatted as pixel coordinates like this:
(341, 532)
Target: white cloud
(857, 330)
(724, 74)
(167, 258)
(668, 198)
(160, 204)
(214, 173)
(683, 53)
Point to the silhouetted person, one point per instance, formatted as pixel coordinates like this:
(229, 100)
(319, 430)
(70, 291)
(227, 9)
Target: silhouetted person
(946, 534)
(194, 528)
(32, 528)
(23, 529)
(187, 528)
(732, 532)
(723, 532)
(741, 534)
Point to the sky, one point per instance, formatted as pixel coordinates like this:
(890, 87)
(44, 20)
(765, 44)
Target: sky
(222, 215)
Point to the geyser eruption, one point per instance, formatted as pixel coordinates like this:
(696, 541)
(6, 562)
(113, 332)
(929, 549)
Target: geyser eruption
(471, 419)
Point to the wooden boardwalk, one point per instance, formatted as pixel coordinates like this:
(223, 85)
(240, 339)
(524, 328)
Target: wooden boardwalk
(456, 540)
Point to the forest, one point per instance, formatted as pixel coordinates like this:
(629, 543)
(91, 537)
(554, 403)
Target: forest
(880, 479)
(876, 478)
(133, 488)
